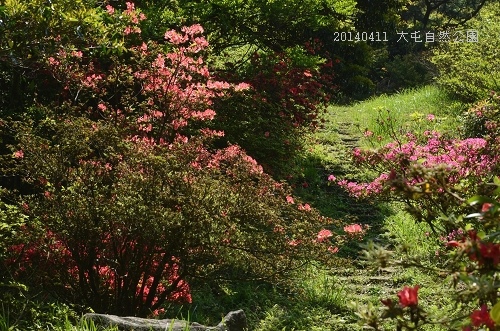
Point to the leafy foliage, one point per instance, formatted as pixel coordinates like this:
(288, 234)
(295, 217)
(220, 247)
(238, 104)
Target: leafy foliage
(442, 14)
(471, 70)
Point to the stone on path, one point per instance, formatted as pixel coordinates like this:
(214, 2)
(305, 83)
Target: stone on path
(234, 321)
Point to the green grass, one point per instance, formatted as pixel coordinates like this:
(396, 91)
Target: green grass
(417, 238)
(62, 325)
(409, 109)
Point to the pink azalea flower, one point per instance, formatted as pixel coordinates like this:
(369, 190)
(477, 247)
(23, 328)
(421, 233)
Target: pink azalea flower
(324, 235)
(242, 87)
(353, 228)
(333, 250)
(110, 10)
(305, 207)
(77, 54)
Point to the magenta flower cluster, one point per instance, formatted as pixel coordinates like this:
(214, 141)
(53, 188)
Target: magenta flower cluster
(460, 159)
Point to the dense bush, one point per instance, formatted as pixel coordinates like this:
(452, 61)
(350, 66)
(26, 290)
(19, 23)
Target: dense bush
(403, 71)
(425, 169)
(483, 119)
(470, 70)
(34, 30)
(270, 120)
(121, 225)
(127, 198)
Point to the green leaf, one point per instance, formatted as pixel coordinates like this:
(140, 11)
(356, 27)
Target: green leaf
(496, 180)
(495, 313)
(480, 199)
(469, 227)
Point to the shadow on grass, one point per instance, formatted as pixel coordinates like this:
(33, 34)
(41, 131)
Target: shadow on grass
(318, 293)
(334, 202)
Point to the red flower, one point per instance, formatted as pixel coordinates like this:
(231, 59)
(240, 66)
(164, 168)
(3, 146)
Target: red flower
(486, 207)
(480, 317)
(408, 296)
(490, 251)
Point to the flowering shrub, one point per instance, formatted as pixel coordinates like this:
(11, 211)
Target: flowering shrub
(483, 119)
(166, 91)
(128, 198)
(431, 173)
(473, 267)
(130, 223)
(456, 159)
(472, 262)
(434, 175)
(296, 87)
(288, 93)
